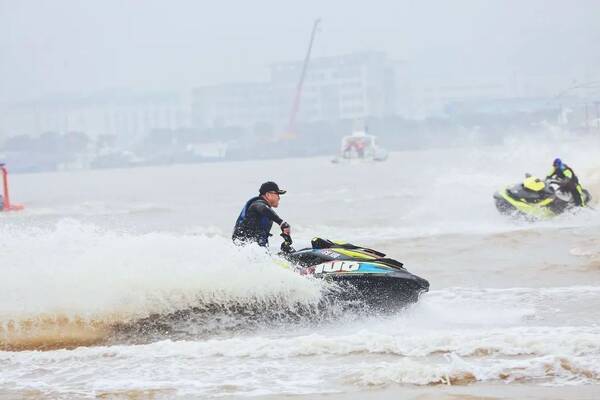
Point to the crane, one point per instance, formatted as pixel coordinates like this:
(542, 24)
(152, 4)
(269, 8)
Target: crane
(291, 132)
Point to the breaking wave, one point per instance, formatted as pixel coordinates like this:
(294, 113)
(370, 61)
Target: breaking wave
(567, 355)
(73, 284)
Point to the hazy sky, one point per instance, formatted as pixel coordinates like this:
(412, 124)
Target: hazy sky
(62, 46)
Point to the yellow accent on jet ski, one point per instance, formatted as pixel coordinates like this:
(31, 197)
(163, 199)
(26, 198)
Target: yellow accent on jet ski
(332, 241)
(282, 263)
(538, 210)
(582, 195)
(355, 254)
(533, 184)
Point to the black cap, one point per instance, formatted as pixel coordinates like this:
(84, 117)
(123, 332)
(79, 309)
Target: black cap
(270, 187)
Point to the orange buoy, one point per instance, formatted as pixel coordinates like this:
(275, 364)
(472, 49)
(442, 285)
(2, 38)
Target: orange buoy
(6, 204)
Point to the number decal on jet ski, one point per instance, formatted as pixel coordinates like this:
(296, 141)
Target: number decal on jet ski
(337, 266)
(330, 253)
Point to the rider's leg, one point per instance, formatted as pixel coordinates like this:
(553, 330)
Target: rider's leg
(579, 196)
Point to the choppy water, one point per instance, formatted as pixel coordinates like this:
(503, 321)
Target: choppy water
(124, 283)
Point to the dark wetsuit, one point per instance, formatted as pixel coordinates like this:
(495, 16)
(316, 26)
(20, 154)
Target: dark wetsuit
(571, 183)
(255, 222)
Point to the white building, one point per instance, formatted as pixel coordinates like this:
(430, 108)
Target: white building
(422, 97)
(127, 116)
(232, 104)
(353, 86)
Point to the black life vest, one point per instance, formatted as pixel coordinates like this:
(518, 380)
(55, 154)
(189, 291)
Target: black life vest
(560, 173)
(250, 229)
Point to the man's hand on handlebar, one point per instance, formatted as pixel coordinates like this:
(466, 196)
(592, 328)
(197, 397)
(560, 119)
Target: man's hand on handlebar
(285, 228)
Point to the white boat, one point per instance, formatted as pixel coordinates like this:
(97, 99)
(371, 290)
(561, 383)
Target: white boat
(360, 146)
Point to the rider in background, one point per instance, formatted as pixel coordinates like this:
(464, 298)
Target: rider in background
(569, 181)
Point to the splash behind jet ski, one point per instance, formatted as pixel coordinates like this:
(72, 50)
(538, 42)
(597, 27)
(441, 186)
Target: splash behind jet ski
(360, 274)
(536, 198)
(358, 279)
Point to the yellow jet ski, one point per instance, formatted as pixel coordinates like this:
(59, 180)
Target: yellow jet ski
(536, 198)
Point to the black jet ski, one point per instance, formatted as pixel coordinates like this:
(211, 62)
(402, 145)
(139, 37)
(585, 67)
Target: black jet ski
(360, 274)
(536, 198)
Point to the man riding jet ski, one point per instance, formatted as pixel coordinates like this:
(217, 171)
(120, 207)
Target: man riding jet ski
(536, 198)
(360, 274)
(569, 181)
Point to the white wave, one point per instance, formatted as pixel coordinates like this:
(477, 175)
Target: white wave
(589, 248)
(317, 363)
(517, 341)
(457, 370)
(81, 270)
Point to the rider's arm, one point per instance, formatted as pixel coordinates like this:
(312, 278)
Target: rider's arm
(568, 174)
(551, 174)
(266, 211)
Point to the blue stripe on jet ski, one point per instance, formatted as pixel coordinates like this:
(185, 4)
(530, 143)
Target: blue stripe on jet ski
(372, 268)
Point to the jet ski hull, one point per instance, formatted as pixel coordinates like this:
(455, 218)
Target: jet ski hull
(379, 291)
(506, 204)
(359, 275)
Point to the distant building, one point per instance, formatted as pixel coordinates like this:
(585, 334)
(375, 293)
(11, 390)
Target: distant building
(232, 104)
(353, 86)
(436, 96)
(124, 115)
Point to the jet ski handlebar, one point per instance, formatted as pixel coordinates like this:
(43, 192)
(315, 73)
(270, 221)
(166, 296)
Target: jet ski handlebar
(286, 245)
